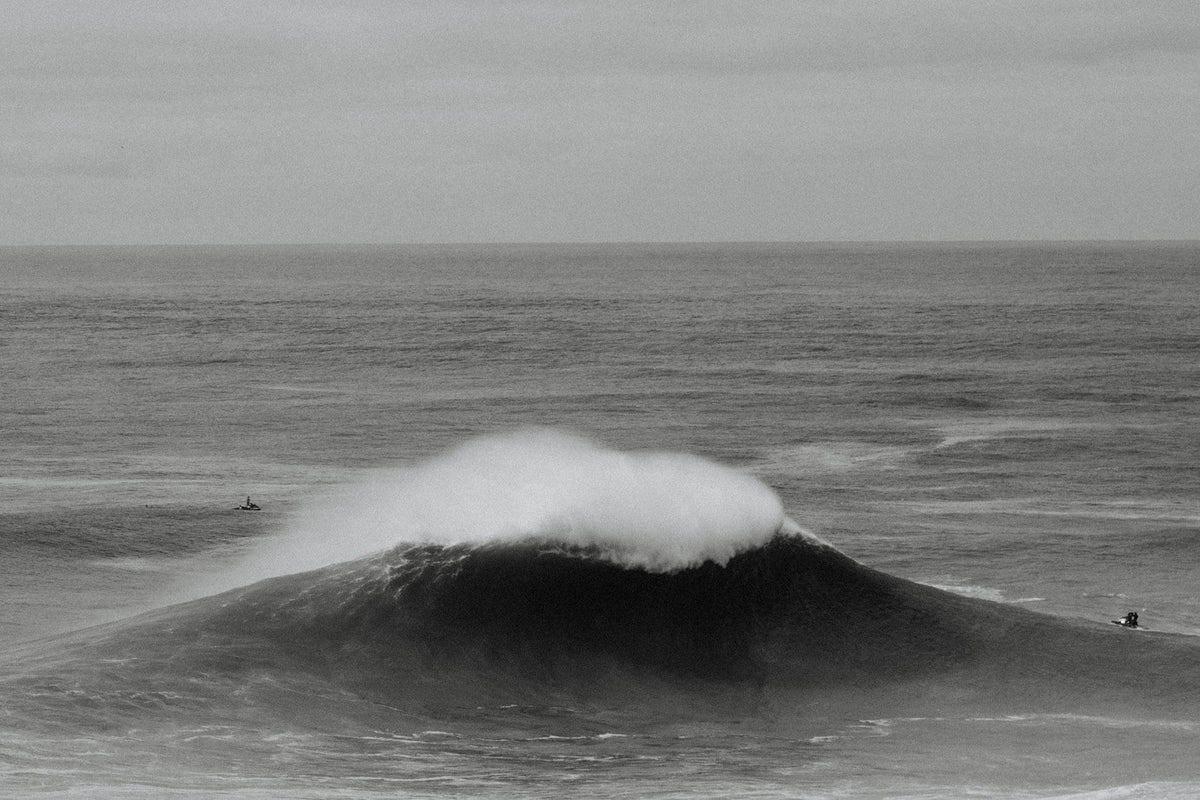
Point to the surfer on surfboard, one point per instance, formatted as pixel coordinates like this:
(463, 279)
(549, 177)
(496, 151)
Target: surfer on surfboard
(1130, 620)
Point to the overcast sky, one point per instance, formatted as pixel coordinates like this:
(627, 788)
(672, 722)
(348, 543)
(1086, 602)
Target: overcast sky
(623, 120)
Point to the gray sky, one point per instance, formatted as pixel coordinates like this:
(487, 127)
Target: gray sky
(130, 121)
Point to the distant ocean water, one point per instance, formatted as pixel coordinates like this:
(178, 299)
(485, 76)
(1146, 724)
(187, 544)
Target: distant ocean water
(811, 521)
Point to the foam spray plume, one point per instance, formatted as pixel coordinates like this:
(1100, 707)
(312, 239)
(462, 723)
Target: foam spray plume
(655, 510)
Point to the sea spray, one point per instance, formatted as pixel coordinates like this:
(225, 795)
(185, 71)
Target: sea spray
(656, 510)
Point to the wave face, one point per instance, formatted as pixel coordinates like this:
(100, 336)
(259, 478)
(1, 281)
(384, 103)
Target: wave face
(790, 628)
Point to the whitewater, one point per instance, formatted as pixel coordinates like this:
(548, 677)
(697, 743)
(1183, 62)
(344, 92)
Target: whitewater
(786, 521)
(657, 510)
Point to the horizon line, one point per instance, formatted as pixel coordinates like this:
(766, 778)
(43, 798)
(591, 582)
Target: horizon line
(599, 243)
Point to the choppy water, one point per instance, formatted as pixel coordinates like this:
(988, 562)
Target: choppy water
(1014, 424)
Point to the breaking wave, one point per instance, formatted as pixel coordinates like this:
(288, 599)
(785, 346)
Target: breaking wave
(658, 510)
(540, 570)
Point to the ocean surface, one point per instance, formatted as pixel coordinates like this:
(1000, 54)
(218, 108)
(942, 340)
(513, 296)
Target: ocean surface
(621, 521)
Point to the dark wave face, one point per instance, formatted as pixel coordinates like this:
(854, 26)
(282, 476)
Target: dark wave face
(784, 630)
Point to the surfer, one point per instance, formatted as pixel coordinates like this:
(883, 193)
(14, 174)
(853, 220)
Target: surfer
(1130, 620)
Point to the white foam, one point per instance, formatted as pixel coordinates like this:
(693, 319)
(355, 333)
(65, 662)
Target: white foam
(956, 586)
(1154, 790)
(819, 458)
(968, 590)
(661, 511)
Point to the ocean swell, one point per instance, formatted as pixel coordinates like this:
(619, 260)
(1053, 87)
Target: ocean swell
(790, 629)
(651, 582)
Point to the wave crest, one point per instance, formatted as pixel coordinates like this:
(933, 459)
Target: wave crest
(659, 511)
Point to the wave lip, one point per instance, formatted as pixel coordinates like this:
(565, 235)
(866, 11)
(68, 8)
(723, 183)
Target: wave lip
(660, 511)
